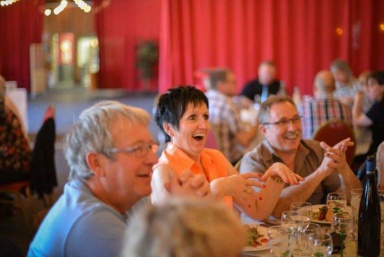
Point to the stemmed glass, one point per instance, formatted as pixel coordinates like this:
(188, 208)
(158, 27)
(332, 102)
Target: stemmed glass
(280, 240)
(304, 236)
(342, 223)
(286, 220)
(322, 244)
(336, 202)
(302, 215)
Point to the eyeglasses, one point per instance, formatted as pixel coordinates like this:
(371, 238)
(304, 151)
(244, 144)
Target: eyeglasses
(140, 150)
(284, 122)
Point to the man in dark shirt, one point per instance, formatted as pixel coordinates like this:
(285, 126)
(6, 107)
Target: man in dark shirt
(265, 85)
(374, 117)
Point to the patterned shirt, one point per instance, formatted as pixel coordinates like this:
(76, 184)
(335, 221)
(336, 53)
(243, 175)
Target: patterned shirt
(316, 111)
(226, 119)
(308, 159)
(15, 153)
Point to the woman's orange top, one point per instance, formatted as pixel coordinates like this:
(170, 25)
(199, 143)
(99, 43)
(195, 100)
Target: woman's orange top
(215, 165)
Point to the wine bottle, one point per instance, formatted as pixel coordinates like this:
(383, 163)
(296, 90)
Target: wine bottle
(369, 214)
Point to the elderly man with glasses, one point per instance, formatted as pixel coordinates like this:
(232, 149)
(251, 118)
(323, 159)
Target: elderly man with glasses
(110, 153)
(324, 168)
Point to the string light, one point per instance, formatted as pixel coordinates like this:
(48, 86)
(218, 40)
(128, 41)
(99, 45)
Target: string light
(61, 7)
(7, 2)
(83, 5)
(339, 31)
(381, 27)
(63, 4)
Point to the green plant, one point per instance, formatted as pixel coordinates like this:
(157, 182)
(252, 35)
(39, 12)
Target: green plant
(147, 56)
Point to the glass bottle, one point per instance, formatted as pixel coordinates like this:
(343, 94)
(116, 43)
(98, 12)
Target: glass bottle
(369, 214)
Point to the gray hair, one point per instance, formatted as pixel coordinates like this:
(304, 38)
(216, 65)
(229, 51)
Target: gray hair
(343, 66)
(92, 133)
(264, 115)
(184, 228)
(218, 75)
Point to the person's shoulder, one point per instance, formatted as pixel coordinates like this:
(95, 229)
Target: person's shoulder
(312, 145)
(252, 83)
(213, 153)
(259, 158)
(257, 153)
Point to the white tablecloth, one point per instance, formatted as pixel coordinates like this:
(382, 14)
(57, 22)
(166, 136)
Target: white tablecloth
(19, 98)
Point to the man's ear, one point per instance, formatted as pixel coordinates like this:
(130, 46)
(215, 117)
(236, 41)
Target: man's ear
(168, 129)
(263, 129)
(95, 163)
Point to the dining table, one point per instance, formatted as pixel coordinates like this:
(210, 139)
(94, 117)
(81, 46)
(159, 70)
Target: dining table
(350, 249)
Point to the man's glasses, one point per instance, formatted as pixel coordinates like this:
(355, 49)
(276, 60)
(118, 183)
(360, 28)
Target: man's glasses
(140, 150)
(284, 122)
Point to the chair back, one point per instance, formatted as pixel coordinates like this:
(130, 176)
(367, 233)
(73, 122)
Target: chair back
(333, 131)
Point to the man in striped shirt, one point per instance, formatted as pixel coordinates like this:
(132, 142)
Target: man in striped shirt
(323, 107)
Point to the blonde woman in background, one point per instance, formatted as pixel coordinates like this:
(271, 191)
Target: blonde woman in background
(184, 228)
(346, 84)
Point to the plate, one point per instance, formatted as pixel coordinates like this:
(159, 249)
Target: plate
(263, 246)
(318, 206)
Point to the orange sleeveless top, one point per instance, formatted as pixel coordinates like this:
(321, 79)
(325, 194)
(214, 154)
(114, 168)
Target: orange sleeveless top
(213, 161)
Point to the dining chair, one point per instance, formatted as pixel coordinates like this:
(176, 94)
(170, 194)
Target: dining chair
(333, 131)
(20, 199)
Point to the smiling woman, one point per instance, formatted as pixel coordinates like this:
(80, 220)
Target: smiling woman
(182, 115)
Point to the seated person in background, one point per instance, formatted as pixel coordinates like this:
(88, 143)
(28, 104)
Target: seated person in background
(323, 107)
(183, 116)
(374, 117)
(265, 85)
(380, 164)
(110, 153)
(15, 153)
(363, 135)
(225, 117)
(325, 168)
(346, 84)
(12, 107)
(184, 228)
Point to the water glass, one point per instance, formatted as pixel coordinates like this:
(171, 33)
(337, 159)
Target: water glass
(303, 214)
(322, 244)
(342, 223)
(304, 247)
(280, 241)
(287, 221)
(355, 205)
(336, 201)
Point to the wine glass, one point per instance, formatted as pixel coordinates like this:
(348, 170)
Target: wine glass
(342, 223)
(336, 201)
(280, 241)
(304, 236)
(286, 220)
(322, 244)
(303, 214)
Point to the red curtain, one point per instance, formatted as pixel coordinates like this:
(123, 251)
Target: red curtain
(301, 36)
(21, 25)
(120, 27)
